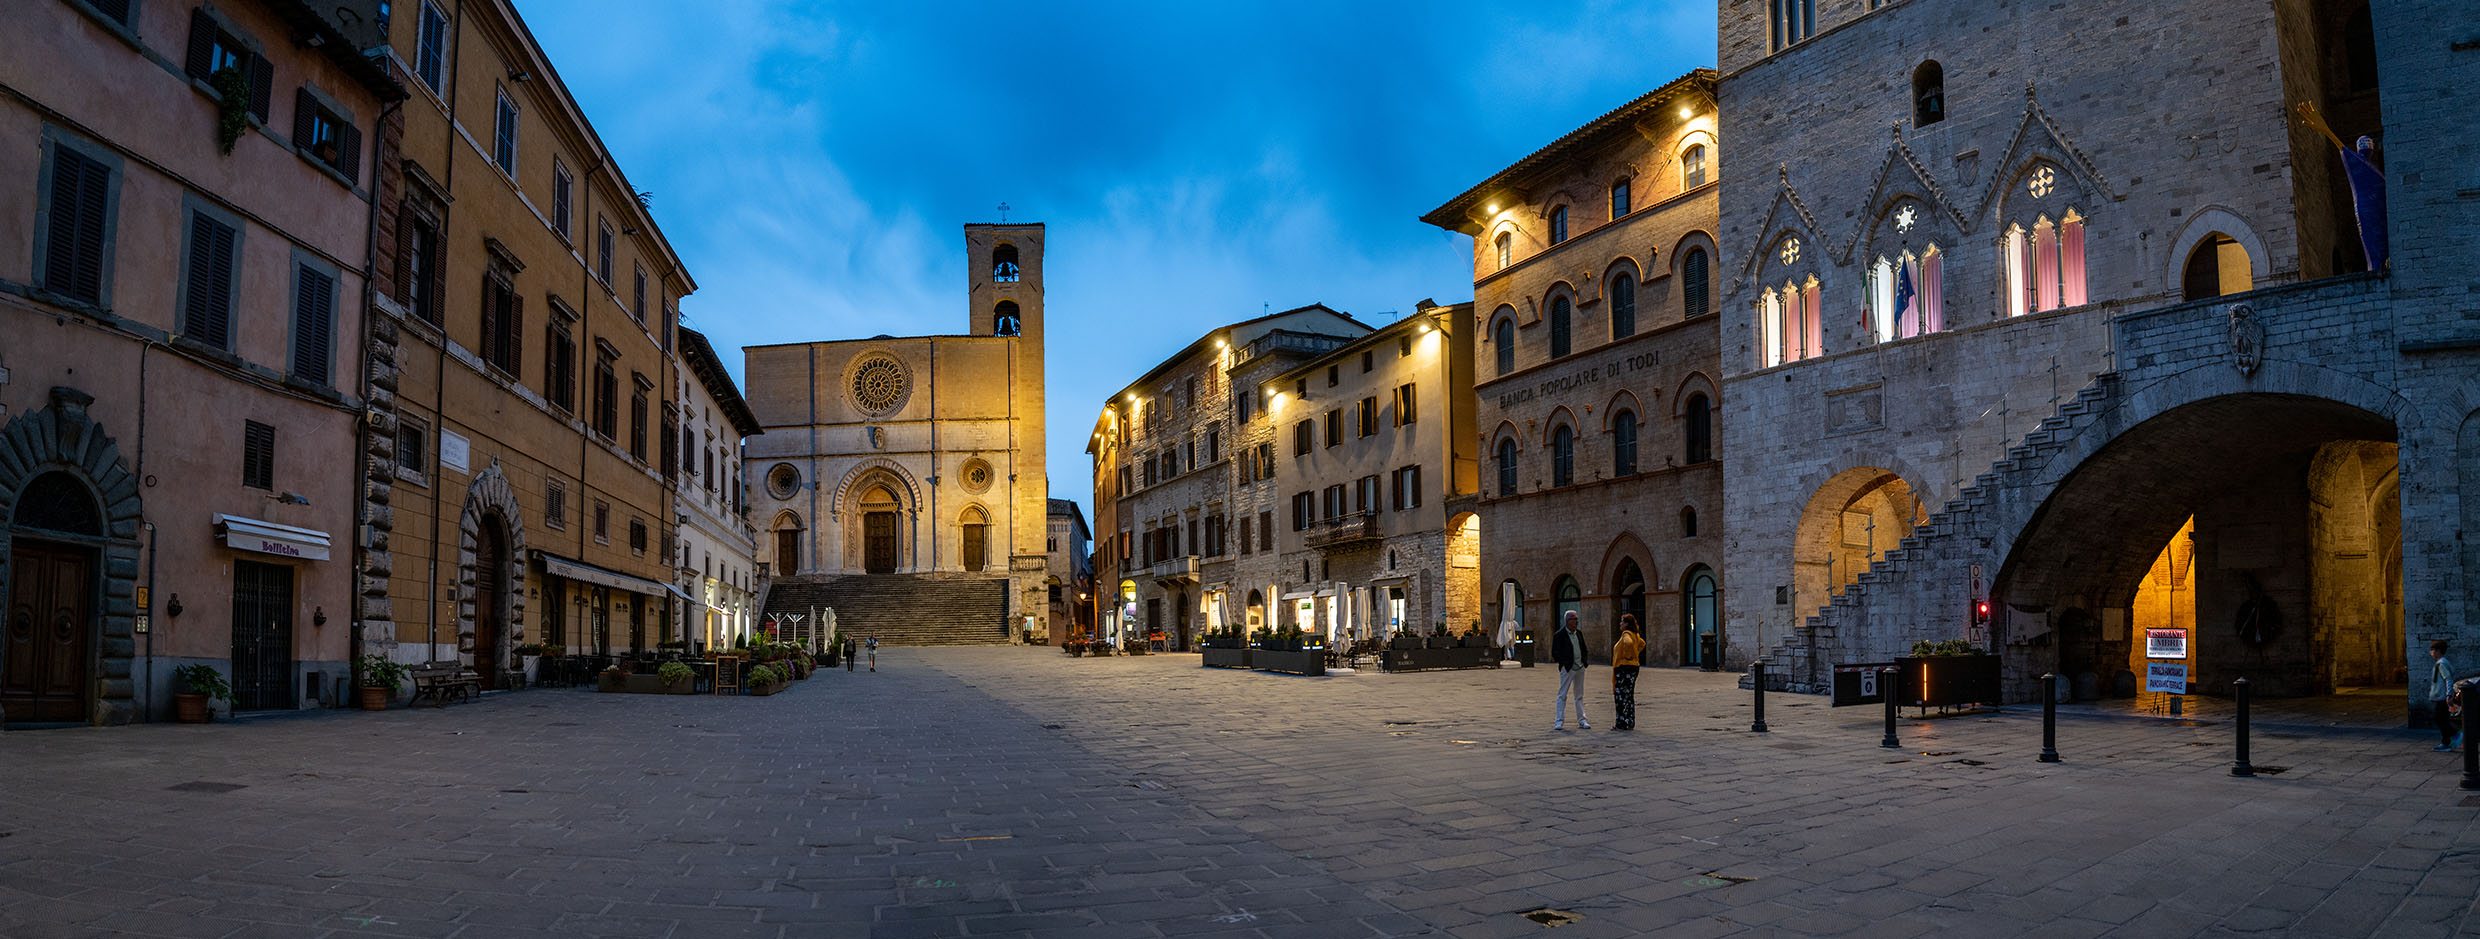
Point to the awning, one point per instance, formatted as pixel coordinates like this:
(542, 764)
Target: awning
(250, 534)
(584, 573)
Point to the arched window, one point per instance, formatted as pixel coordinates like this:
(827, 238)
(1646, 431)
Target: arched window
(1562, 456)
(1702, 616)
(1570, 600)
(1700, 419)
(1692, 167)
(1623, 443)
(2045, 262)
(1003, 264)
(1622, 305)
(57, 501)
(1558, 224)
(1561, 312)
(1507, 467)
(1005, 321)
(1793, 21)
(2217, 266)
(1620, 202)
(1928, 94)
(1687, 522)
(1692, 283)
(1506, 249)
(1905, 294)
(1503, 335)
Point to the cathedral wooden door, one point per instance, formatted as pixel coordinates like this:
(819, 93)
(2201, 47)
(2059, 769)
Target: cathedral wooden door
(878, 541)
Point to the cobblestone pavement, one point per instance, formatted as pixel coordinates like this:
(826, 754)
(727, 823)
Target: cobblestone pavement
(1017, 792)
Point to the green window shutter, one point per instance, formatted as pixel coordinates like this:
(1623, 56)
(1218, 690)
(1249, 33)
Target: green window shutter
(314, 301)
(305, 117)
(73, 258)
(262, 78)
(208, 311)
(201, 43)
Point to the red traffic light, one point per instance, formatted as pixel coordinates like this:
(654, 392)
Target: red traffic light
(1980, 612)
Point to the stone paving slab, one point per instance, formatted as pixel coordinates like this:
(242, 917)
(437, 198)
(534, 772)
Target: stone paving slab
(1017, 792)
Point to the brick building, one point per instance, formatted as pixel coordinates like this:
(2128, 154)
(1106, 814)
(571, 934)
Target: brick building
(184, 232)
(1596, 375)
(1171, 497)
(2007, 319)
(1375, 447)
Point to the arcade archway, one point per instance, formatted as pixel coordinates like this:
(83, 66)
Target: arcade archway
(1850, 522)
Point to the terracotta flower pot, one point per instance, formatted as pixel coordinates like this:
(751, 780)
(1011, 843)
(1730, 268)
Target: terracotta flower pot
(375, 699)
(190, 708)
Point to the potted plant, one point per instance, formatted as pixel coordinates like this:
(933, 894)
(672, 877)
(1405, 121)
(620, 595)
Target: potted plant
(203, 682)
(380, 680)
(614, 678)
(529, 657)
(677, 678)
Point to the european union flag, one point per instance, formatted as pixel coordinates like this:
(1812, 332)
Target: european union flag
(1902, 293)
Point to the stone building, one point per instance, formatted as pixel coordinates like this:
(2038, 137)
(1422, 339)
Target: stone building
(1377, 448)
(2085, 341)
(522, 438)
(183, 237)
(900, 481)
(717, 557)
(1167, 484)
(1070, 570)
(1596, 375)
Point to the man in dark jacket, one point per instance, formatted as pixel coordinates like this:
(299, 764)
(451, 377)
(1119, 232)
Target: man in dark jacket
(1567, 649)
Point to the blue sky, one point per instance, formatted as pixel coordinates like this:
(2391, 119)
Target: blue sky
(814, 163)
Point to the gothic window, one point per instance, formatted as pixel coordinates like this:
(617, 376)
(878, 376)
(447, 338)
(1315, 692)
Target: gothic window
(1503, 335)
(1905, 294)
(2217, 266)
(1558, 224)
(1003, 267)
(1928, 94)
(1623, 444)
(1692, 167)
(1562, 456)
(1006, 321)
(2045, 261)
(1506, 249)
(1561, 313)
(1620, 202)
(1792, 22)
(1687, 523)
(1700, 430)
(1789, 321)
(1622, 305)
(1696, 295)
(1507, 467)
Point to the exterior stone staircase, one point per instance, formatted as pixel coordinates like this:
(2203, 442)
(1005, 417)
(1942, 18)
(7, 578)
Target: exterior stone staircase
(1957, 534)
(900, 609)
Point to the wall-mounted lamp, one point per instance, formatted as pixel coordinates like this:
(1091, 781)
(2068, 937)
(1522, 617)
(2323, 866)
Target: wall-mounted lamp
(290, 498)
(318, 616)
(520, 76)
(630, 230)
(1686, 112)
(173, 608)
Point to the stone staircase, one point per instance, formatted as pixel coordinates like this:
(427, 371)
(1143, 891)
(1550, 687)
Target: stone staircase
(1956, 534)
(901, 609)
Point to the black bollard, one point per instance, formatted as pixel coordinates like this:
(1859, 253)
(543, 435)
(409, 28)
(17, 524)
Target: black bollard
(2239, 691)
(1756, 670)
(2049, 718)
(2471, 745)
(1886, 686)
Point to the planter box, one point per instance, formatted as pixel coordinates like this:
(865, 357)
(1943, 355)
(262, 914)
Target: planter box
(1947, 680)
(1305, 662)
(1227, 658)
(1421, 660)
(763, 690)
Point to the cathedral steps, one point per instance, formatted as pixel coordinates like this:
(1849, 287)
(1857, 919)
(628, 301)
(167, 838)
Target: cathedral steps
(1956, 527)
(901, 609)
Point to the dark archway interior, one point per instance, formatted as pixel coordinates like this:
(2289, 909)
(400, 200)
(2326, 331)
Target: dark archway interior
(2241, 467)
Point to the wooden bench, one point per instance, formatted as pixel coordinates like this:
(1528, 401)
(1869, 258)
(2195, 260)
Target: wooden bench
(440, 680)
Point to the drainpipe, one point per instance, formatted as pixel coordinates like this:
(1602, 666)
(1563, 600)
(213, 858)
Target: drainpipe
(146, 698)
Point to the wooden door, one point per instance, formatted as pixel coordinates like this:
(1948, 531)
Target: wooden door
(44, 675)
(490, 586)
(788, 552)
(262, 636)
(878, 539)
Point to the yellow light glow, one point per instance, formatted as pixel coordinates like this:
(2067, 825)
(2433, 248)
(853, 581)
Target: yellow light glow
(1493, 208)
(1686, 112)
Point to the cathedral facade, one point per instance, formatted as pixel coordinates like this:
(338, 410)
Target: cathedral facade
(900, 480)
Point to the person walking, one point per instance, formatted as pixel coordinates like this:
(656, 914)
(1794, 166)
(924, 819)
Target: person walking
(2441, 695)
(872, 645)
(1567, 649)
(849, 654)
(1626, 656)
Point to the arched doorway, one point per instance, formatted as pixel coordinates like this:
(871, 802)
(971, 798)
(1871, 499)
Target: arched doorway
(1256, 610)
(45, 675)
(878, 530)
(1568, 597)
(1850, 522)
(973, 531)
(787, 544)
(490, 593)
(2263, 542)
(1627, 595)
(1700, 617)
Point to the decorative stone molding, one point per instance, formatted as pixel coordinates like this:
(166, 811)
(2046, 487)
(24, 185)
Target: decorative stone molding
(62, 437)
(490, 494)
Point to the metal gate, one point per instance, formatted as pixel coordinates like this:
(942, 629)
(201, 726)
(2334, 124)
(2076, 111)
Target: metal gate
(262, 636)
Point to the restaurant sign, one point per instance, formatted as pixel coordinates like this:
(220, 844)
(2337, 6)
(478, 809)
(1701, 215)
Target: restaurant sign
(264, 537)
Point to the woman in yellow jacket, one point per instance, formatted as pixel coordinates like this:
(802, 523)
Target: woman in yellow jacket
(1626, 656)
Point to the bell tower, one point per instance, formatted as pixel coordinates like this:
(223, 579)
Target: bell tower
(1003, 268)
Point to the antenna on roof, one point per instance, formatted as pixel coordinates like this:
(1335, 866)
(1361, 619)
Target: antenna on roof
(1264, 307)
(1003, 211)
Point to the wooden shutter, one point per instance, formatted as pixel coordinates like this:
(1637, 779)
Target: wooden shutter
(516, 334)
(201, 43)
(258, 455)
(262, 85)
(314, 300)
(1692, 282)
(208, 307)
(491, 316)
(73, 259)
(349, 151)
(305, 117)
(435, 247)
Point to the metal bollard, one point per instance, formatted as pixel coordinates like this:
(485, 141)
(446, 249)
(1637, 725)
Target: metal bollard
(1756, 671)
(2049, 718)
(2239, 691)
(1886, 686)
(2471, 746)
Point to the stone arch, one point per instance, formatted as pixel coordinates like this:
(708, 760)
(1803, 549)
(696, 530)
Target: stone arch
(62, 437)
(894, 475)
(1695, 382)
(488, 499)
(2205, 223)
(1625, 400)
(1558, 416)
(1851, 520)
(1625, 547)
